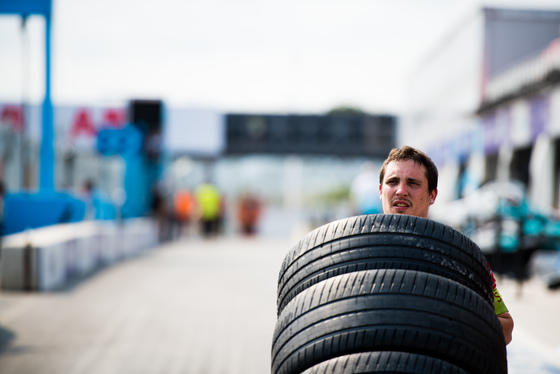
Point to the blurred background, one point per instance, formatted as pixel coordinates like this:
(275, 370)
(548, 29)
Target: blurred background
(284, 101)
(146, 123)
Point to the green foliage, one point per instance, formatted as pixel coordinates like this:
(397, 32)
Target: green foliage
(346, 109)
(334, 195)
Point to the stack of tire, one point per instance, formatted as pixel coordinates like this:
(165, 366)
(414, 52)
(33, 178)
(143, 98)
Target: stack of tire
(386, 294)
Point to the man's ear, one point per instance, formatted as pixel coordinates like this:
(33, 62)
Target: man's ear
(433, 196)
(380, 197)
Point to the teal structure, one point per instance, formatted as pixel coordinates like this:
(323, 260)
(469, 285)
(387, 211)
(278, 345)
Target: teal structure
(26, 210)
(25, 8)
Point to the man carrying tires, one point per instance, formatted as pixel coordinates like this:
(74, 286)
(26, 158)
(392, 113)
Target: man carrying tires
(408, 185)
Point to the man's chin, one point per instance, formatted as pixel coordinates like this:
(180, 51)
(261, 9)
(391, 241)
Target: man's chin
(401, 211)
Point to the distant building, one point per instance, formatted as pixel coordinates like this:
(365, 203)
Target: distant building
(485, 104)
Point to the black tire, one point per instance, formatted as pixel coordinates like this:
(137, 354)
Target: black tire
(383, 241)
(389, 310)
(385, 362)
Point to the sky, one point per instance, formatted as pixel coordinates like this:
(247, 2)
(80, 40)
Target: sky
(273, 56)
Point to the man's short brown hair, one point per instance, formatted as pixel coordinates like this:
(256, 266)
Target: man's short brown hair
(406, 153)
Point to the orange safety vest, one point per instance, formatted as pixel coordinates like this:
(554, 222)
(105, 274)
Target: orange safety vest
(183, 205)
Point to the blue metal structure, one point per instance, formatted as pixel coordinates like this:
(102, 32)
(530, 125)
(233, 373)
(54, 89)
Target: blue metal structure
(47, 207)
(140, 174)
(25, 8)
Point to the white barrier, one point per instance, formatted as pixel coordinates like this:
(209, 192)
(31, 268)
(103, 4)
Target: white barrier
(49, 258)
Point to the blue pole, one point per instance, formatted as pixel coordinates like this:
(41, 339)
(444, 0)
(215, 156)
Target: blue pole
(46, 176)
(25, 8)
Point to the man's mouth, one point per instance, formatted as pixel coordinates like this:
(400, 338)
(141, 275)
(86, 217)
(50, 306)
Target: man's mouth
(402, 204)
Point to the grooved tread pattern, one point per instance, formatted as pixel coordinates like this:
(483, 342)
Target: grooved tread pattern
(384, 363)
(382, 241)
(380, 310)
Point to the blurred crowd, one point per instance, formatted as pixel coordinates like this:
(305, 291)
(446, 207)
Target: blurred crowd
(202, 211)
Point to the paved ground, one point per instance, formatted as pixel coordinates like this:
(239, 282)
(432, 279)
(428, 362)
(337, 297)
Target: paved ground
(535, 348)
(201, 307)
(190, 307)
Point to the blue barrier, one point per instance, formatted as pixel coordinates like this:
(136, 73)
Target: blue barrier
(24, 211)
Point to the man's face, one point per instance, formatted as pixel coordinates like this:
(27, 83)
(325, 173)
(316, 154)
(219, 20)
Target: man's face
(404, 189)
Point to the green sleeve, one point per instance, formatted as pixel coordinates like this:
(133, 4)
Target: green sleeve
(499, 305)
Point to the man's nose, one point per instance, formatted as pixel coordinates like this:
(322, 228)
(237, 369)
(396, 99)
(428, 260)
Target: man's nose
(401, 189)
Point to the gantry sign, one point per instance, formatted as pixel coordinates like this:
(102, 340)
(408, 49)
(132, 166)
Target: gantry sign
(361, 135)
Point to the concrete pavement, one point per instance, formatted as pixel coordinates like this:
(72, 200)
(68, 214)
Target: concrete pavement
(535, 348)
(201, 307)
(193, 306)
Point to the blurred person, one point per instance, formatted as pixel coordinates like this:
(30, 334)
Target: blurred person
(209, 204)
(222, 215)
(184, 204)
(160, 213)
(408, 185)
(2, 197)
(88, 194)
(363, 190)
(248, 213)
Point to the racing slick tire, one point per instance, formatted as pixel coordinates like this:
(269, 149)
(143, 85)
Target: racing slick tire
(384, 363)
(383, 241)
(389, 310)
